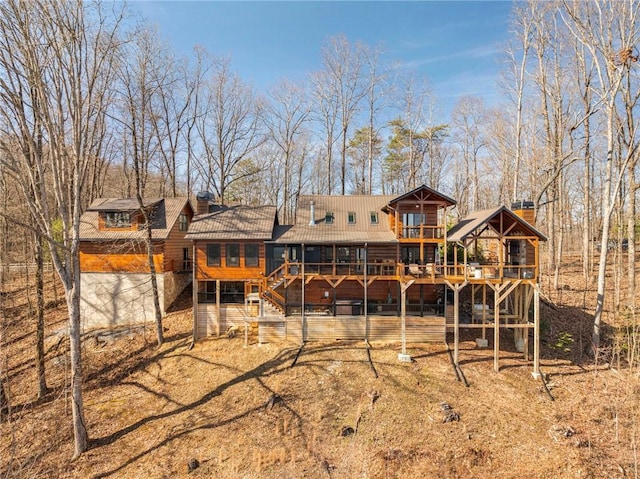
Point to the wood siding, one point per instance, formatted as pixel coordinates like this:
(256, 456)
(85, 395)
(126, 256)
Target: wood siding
(374, 328)
(174, 245)
(118, 257)
(229, 273)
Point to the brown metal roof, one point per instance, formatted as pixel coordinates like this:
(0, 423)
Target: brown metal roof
(234, 222)
(478, 219)
(429, 193)
(340, 231)
(121, 204)
(166, 214)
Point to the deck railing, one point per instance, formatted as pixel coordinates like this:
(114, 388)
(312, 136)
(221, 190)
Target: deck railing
(391, 269)
(422, 232)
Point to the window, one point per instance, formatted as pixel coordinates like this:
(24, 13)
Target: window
(213, 254)
(251, 254)
(207, 291)
(232, 291)
(343, 255)
(183, 222)
(374, 217)
(328, 217)
(411, 224)
(117, 219)
(351, 217)
(186, 261)
(233, 254)
(328, 254)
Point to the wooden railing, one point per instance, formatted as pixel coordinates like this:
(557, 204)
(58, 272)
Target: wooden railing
(422, 232)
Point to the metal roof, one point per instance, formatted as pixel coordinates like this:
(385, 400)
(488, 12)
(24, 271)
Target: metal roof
(473, 222)
(121, 204)
(166, 212)
(432, 194)
(340, 230)
(234, 222)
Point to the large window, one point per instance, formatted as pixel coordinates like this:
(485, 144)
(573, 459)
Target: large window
(251, 254)
(117, 219)
(213, 254)
(233, 254)
(411, 223)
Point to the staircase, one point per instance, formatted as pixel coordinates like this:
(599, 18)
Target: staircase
(273, 300)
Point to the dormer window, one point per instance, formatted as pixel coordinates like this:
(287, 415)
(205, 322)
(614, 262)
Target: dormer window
(351, 217)
(373, 217)
(328, 217)
(183, 222)
(117, 219)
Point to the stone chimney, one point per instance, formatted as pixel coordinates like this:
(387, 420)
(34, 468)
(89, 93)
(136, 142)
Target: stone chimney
(525, 210)
(202, 202)
(312, 206)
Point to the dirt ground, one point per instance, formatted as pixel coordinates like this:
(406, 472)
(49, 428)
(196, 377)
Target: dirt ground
(238, 411)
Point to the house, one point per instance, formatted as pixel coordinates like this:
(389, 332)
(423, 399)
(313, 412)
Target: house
(230, 257)
(115, 274)
(373, 267)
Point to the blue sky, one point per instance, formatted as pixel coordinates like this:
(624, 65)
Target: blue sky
(455, 45)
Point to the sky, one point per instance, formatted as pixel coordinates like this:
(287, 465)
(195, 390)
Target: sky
(456, 45)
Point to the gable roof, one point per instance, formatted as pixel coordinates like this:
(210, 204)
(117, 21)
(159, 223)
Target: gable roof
(234, 223)
(430, 193)
(166, 212)
(340, 230)
(469, 225)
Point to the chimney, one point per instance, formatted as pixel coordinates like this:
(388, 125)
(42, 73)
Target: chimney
(524, 209)
(202, 202)
(312, 205)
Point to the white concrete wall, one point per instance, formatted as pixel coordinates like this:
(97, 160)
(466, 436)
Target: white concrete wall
(118, 299)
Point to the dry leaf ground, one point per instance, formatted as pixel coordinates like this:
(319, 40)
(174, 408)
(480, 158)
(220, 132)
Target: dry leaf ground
(245, 412)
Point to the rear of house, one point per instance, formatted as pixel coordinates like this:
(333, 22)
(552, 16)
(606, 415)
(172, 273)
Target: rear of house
(115, 274)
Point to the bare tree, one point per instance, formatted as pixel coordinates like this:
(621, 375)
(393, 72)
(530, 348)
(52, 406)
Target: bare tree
(286, 117)
(629, 137)
(377, 89)
(343, 74)
(599, 25)
(522, 24)
(56, 69)
(325, 113)
(144, 82)
(227, 126)
(467, 133)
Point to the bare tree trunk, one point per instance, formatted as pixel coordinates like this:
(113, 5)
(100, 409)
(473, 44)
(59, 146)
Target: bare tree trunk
(40, 355)
(631, 240)
(81, 435)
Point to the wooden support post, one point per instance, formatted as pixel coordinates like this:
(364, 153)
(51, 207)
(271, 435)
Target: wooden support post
(496, 329)
(536, 332)
(302, 309)
(217, 307)
(404, 357)
(194, 299)
(456, 324)
(484, 311)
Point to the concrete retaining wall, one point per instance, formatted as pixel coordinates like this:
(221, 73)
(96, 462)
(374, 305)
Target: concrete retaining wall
(117, 299)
